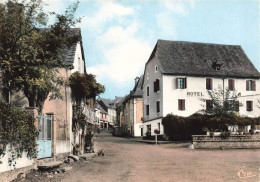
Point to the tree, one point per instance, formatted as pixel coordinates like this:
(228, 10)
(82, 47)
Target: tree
(30, 53)
(224, 103)
(84, 86)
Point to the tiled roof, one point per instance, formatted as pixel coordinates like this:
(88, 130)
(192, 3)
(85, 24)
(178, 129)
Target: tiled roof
(137, 91)
(198, 59)
(68, 52)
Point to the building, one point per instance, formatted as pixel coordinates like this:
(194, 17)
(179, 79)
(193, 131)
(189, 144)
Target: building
(108, 110)
(131, 111)
(56, 135)
(179, 74)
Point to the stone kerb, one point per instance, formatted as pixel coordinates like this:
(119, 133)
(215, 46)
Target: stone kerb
(231, 142)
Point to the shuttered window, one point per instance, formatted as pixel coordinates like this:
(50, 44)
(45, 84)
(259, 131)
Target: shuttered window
(250, 85)
(231, 84)
(249, 105)
(156, 85)
(181, 104)
(209, 104)
(147, 110)
(237, 106)
(209, 83)
(181, 83)
(158, 106)
(147, 91)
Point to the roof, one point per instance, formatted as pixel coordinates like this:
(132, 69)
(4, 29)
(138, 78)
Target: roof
(137, 91)
(198, 59)
(68, 52)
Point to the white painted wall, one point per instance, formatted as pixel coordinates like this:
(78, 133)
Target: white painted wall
(78, 60)
(169, 95)
(20, 162)
(198, 84)
(154, 125)
(63, 146)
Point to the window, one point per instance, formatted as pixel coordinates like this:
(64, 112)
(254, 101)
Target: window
(181, 104)
(249, 105)
(181, 83)
(147, 91)
(148, 128)
(158, 106)
(209, 83)
(250, 85)
(156, 68)
(234, 105)
(209, 105)
(159, 127)
(231, 84)
(147, 110)
(156, 85)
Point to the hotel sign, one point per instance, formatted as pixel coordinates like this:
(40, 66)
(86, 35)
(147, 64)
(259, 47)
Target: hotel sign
(196, 94)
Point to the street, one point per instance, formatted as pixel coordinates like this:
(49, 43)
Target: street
(129, 160)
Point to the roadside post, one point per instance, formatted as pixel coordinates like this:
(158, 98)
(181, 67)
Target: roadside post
(156, 131)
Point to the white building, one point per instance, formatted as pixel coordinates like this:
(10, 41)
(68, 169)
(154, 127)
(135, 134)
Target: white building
(179, 74)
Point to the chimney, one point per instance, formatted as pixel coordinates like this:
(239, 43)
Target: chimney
(136, 80)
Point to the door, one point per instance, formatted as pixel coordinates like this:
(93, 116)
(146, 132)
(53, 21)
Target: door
(45, 137)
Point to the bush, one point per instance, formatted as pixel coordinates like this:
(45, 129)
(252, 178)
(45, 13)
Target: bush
(184, 127)
(17, 129)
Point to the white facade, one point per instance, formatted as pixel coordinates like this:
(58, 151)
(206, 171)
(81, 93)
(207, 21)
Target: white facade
(168, 95)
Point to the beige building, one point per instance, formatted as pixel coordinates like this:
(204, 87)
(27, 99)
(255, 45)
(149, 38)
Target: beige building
(130, 111)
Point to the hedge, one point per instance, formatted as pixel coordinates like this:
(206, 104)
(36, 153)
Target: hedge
(184, 127)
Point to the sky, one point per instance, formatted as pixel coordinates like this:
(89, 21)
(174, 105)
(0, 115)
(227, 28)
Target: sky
(119, 35)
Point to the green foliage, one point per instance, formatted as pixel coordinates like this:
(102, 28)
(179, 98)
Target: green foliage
(79, 118)
(84, 86)
(17, 129)
(197, 124)
(29, 56)
(223, 103)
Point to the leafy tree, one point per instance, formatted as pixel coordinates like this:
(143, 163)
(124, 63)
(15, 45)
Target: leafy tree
(29, 54)
(84, 86)
(224, 103)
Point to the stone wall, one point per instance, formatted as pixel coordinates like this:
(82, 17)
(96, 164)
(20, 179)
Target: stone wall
(231, 142)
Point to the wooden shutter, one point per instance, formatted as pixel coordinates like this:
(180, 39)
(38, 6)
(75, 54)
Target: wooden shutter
(253, 85)
(179, 104)
(249, 105)
(208, 83)
(147, 110)
(237, 106)
(247, 85)
(156, 85)
(183, 105)
(177, 83)
(231, 85)
(185, 82)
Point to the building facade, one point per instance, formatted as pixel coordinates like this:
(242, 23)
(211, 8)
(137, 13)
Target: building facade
(178, 76)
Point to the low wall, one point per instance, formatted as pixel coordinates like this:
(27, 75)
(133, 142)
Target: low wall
(231, 142)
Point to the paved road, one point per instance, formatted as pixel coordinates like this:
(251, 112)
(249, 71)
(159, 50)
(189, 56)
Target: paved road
(128, 160)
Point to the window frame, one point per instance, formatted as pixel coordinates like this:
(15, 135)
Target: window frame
(156, 85)
(209, 105)
(183, 84)
(147, 110)
(209, 84)
(249, 105)
(158, 109)
(181, 104)
(250, 85)
(231, 84)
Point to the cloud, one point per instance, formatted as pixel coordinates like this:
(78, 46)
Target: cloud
(178, 6)
(125, 55)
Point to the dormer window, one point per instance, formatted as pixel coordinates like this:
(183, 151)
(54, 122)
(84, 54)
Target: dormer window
(216, 66)
(156, 68)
